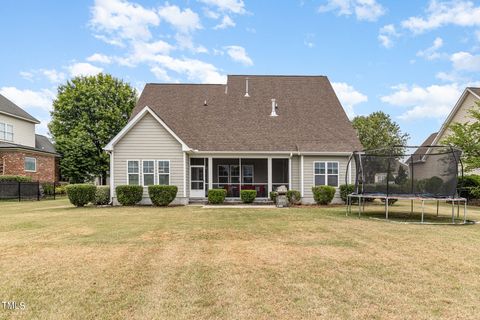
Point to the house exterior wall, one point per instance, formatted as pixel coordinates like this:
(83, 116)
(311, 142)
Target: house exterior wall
(23, 131)
(462, 115)
(149, 140)
(14, 164)
(308, 163)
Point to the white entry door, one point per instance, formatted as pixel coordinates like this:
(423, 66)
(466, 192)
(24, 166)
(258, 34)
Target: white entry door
(197, 181)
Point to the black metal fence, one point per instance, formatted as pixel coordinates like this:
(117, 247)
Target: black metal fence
(32, 190)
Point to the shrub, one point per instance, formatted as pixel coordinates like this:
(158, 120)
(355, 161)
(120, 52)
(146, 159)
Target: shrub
(48, 189)
(128, 195)
(60, 190)
(323, 194)
(433, 185)
(468, 185)
(273, 196)
(15, 179)
(294, 196)
(216, 196)
(80, 194)
(102, 195)
(162, 195)
(345, 190)
(248, 196)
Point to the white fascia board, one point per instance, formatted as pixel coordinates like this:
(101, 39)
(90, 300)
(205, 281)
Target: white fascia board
(274, 152)
(135, 120)
(19, 117)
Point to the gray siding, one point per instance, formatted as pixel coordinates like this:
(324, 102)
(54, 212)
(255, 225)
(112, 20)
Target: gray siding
(148, 140)
(309, 179)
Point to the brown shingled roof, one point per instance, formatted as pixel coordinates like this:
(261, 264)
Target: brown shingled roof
(310, 117)
(422, 150)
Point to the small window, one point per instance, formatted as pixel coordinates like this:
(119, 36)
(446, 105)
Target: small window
(30, 164)
(133, 172)
(164, 172)
(326, 173)
(247, 174)
(148, 172)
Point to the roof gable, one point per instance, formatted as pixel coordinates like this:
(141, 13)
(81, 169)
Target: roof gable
(218, 117)
(9, 108)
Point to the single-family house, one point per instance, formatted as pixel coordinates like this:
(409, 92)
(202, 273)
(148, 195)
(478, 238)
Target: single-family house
(459, 114)
(254, 132)
(22, 152)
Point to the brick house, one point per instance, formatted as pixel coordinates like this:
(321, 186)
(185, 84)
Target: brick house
(22, 152)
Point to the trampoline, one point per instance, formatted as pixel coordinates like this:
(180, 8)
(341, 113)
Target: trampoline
(422, 173)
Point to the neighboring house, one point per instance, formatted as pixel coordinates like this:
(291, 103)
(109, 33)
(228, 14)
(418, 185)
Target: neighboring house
(22, 152)
(459, 114)
(254, 132)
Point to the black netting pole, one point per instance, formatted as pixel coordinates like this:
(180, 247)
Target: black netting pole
(456, 167)
(411, 175)
(388, 172)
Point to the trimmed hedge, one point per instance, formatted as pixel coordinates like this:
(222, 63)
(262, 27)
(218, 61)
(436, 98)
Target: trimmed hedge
(345, 190)
(15, 179)
(294, 196)
(102, 195)
(216, 196)
(162, 195)
(273, 196)
(248, 196)
(323, 194)
(129, 195)
(80, 194)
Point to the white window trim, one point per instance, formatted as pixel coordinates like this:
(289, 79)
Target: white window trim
(154, 171)
(326, 172)
(24, 161)
(139, 171)
(5, 131)
(158, 173)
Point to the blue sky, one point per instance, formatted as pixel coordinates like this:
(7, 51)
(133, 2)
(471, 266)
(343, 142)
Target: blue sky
(411, 59)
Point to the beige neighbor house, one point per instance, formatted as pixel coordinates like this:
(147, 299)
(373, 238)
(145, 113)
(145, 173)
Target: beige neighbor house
(459, 114)
(254, 132)
(22, 152)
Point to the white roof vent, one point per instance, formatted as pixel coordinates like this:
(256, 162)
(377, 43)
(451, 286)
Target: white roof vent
(274, 109)
(246, 88)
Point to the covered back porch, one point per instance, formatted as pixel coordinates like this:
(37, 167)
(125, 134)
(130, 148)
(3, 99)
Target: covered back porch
(263, 174)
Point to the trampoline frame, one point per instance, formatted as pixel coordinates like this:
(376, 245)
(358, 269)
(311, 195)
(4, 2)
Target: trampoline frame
(361, 198)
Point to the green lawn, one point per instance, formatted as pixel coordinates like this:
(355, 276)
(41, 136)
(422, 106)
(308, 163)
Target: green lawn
(195, 263)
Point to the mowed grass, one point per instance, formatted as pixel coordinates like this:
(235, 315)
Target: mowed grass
(196, 263)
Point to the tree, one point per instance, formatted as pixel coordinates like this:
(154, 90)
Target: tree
(466, 136)
(377, 130)
(87, 113)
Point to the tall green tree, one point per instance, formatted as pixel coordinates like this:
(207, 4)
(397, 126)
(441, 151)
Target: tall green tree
(87, 113)
(466, 136)
(378, 130)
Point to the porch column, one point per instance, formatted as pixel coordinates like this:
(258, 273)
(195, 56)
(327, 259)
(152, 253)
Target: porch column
(210, 173)
(269, 170)
(301, 176)
(290, 173)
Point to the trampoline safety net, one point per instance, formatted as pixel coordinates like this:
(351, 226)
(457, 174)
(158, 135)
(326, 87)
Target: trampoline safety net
(427, 171)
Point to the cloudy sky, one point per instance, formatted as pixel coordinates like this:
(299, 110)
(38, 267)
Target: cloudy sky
(411, 59)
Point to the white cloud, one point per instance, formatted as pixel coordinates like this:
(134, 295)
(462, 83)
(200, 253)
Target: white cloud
(431, 53)
(367, 10)
(161, 74)
(348, 96)
(386, 34)
(234, 6)
(238, 54)
(441, 13)
(226, 23)
(434, 101)
(101, 58)
(83, 69)
(53, 75)
(26, 75)
(29, 99)
(122, 20)
(184, 21)
(465, 61)
(309, 40)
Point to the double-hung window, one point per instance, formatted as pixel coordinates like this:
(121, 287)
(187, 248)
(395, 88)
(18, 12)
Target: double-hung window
(164, 172)
(133, 172)
(223, 170)
(326, 173)
(247, 174)
(234, 173)
(148, 170)
(6, 132)
(30, 164)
